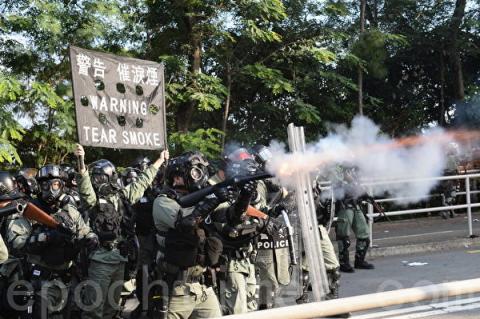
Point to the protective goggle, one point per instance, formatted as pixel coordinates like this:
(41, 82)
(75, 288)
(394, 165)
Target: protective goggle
(99, 179)
(196, 173)
(52, 184)
(49, 171)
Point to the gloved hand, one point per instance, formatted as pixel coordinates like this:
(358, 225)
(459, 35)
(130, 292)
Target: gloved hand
(277, 210)
(56, 237)
(272, 226)
(247, 192)
(46, 237)
(91, 242)
(224, 194)
(206, 206)
(40, 238)
(249, 189)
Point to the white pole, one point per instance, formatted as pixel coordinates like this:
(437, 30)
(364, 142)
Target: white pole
(366, 302)
(370, 222)
(469, 207)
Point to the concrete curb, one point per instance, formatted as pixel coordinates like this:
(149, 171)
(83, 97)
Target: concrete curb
(423, 248)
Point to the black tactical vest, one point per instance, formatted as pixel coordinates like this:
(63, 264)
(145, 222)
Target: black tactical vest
(62, 252)
(144, 217)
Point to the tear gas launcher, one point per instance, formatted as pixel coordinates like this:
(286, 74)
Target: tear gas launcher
(195, 197)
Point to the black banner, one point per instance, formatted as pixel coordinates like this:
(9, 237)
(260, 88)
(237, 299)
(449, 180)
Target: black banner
(119, 101)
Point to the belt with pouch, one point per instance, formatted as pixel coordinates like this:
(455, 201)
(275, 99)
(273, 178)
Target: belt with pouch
(238, 254)
(42, 273)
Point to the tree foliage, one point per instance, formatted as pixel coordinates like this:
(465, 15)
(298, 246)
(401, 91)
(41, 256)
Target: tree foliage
(241, 70)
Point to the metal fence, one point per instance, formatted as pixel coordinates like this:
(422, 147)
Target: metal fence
(467, 193)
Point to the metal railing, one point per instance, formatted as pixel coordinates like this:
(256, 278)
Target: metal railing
(468, 202)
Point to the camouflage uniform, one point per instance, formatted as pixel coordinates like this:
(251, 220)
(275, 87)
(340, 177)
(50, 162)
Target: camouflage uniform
(240, 281)
(273, 257)
(350, 216)
(3, 251)
(449, 187)
(107, 265)
(189, 296)
(51, 263)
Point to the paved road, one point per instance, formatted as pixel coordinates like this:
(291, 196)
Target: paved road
(421, 234)
(423, 230)
(394, 273)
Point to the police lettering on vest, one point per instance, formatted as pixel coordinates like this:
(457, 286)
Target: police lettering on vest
(267, 242)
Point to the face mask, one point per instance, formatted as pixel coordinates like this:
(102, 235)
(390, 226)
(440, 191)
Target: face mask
(102, 186)
(51, 190)
(196, 177)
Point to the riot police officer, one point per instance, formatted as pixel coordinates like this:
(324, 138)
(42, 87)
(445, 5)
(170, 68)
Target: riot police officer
(11, 268)
(141, 163)
(238, 233)
(449, 188)
(51, 251)
(272, 262)
(144, 230)
(27, 183)
(186, 249)
(106, 201)
(350, 215)
(71, 184)
(8, 192)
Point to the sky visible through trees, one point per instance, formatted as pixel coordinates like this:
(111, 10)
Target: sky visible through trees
(241, 70)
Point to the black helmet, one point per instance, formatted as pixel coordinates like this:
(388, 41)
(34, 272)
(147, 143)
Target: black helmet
(69, 174)
(262, 154)
(130, 175)
(141, 163)
(8, 187)
(240, 163)
(51, 171)
(104, 177)
(192, 166)
(26, 181)
(52, 181)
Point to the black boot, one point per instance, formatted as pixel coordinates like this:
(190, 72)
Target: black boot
(304, 298)
(343, 255)
(333, 276)
(333, 279)
(362, 248)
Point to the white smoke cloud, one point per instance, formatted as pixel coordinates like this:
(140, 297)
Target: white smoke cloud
(374, 154)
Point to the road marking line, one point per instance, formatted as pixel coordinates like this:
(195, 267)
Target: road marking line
(473, 252)
(439, 312)
(391, 312)
(434, 307)
(417, 235)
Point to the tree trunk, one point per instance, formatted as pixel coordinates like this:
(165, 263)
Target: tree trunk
(455, 60)
(371, 12)
(441, 117)
(227, 104)
(359, 70)
(186, 110)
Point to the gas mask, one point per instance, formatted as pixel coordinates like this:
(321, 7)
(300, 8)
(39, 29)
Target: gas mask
(192, 167)
(52, 181)
(104, 178)
(130, 176)
(51, 190)
(103, 186)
